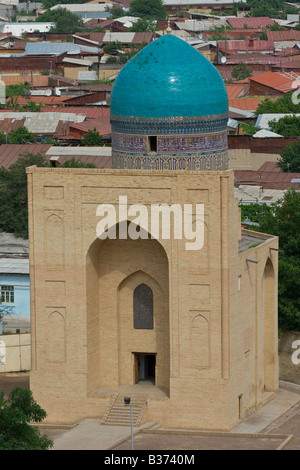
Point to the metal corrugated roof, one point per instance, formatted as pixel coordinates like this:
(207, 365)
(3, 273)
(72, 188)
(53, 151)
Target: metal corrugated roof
(83, 7)
(267, 179)
(10, 244)
(122, 37)
(263, 133)
(102, 125)
(14, 266)
(263, 119)
(247, 104)
(256, 22)
(293, 35)
(99, 156)
(79, 151)
(88, 111)
(42, 122)
(56, 48)
(9, 153)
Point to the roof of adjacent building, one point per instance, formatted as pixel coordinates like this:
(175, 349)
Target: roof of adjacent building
(14, 254)
(247, 104)
(255, 22)
(263, 120)
(281, 81)
(101, 125)
(168, 78)
(293, 35)
(55, 48)
(42, 122)
(89, 111)
(268, 176)
(123, 37)
(244, 45)
(12, 245)
(14, 265)
(99, 156)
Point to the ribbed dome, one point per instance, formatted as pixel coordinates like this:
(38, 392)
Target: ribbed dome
(168, 78)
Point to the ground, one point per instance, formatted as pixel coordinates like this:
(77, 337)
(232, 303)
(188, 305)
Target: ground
(280, 433)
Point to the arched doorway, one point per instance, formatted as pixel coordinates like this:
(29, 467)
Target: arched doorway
(121, 275)
(270, 327)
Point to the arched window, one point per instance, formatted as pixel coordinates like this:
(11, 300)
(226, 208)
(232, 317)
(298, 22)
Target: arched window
(143, 308)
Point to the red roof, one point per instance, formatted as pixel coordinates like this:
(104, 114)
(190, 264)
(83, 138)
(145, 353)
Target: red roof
(10, 153)
(49, 100)
(256, 22)
(293, 35)
(102, 125)
(89, 111)
(278, 80)
(249, 104)
(268, 176)
(245, 45)
(234, 91)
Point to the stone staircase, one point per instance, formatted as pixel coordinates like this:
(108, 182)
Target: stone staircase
(118, 414)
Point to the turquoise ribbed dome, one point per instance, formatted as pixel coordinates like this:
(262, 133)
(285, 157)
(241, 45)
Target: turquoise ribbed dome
(168, 78)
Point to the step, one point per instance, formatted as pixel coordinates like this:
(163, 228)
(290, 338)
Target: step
(118, 413)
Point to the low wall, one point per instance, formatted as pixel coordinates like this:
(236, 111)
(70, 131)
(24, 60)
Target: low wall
(15, 354)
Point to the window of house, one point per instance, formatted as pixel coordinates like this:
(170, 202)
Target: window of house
(7, 294)
(143, 308)
(153, 143)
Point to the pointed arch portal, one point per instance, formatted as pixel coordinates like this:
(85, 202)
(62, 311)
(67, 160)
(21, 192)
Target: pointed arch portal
(127, 313)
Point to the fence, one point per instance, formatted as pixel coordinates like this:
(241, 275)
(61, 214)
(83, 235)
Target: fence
(15, 353)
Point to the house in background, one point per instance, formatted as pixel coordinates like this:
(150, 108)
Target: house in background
(14, 283)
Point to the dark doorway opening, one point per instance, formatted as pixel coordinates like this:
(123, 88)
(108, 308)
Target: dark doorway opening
(145, 367)
(153, 143)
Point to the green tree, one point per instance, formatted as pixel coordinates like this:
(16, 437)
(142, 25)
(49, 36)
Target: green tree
(16, 414)
(283, 219)
(112, 47)
(73, 163)
(241, 71)
(286, 126)
(289, 160)
(248, 129)
(21, 135)
(91, 138)
(17, 90)
(32, 107)
(281, 105)
(149, 9)
(13, 194)
(65, 21)
(143, 25)
(115, 11)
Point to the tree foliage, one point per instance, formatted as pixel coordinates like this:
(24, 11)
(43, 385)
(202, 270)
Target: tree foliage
(241, 71)
(281, 105)
(91, 138)
(286, 126)
(65, 21)
(13, 195)
(115, 11)
(283, 220)
(143, 25)
(73, 163)
(16, 414)
(13, 191)
(289, 160)
(149, 9)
